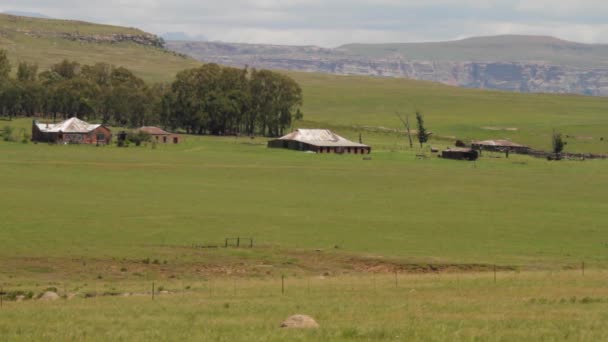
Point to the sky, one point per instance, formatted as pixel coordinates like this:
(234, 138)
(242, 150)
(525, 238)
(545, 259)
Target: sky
(330, 23)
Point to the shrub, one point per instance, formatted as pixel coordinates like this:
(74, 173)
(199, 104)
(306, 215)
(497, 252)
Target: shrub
(138, 137)
(7, 134)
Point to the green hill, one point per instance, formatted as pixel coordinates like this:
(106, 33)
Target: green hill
(48, 41)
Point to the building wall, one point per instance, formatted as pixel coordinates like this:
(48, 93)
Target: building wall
(101, 135)
(299, 146)
(167, 138)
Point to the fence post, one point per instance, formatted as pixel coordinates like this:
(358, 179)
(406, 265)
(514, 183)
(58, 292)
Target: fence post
(250, 243)
(494, 273)
(152, 290)
(226, 243)
(238, 242)
(583, 268)
(396, 280)
(282, 284)
(1, 295)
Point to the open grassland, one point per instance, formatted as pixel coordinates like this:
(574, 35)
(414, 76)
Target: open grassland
(393, 248)
(531, 306)
(135, 203)
(363, 104)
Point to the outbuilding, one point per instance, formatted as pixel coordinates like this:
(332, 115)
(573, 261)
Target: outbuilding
(319, 141)
(460, 153)
(160, 135)
(71, 131)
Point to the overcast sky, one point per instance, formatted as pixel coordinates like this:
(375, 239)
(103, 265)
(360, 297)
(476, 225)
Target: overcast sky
(331, 23)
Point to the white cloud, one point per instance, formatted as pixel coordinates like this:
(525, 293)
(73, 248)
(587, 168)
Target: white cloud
(335, 22)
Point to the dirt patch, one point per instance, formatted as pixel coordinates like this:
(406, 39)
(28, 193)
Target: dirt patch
(49, 296)
(382, 266)
(494, 128)
(300, 322)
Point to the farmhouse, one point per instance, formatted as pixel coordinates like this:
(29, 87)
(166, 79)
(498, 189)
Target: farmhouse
(460, 153)
(160, 135)
(319, 141)
(499, 146)
(71, 131)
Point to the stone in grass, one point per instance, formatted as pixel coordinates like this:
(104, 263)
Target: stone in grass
(49, 296)
(300, 322)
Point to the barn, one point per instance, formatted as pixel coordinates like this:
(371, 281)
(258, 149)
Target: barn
(71, 131)
(460, 153)
(159, 135)
(499, 146)
(319, 141)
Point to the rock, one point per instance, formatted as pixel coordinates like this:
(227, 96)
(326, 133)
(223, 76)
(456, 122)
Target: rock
(20, 298)
(164, 292)
(300, 322)
(49, 296)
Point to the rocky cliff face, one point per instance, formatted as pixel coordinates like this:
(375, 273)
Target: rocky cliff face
(512, 76)
(141, 39)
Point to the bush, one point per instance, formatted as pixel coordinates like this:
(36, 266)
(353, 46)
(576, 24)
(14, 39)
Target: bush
(138, 137)
(7, 134)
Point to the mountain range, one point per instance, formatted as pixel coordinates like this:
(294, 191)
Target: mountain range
(510, 62)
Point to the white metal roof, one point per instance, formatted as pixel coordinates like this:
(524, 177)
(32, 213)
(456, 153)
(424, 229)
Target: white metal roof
(73, 125)
(320, 137)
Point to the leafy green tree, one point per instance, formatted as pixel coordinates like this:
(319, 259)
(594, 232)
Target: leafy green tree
(27, 72)
(66, 69)
(423, 134)
(558, 143)
(5, 66)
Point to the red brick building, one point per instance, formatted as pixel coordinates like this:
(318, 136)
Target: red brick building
(161, 136)
(71, 131)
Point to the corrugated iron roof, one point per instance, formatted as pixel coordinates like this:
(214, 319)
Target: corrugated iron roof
(73, 125)
(320, 137)
(153, 130)
(498, 143)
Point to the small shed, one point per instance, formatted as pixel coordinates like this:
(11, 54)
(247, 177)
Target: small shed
(499, 146)
(160, 135)
(319, 141)
(459, 153)
(71, 131)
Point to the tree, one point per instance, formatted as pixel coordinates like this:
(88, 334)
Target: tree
(66, 69)
(558, 143)
(27, 72)
(423, 135)
(5, 66)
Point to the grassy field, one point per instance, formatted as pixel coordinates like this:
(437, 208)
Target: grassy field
(531, 306)
(100, 222)
(137, 200)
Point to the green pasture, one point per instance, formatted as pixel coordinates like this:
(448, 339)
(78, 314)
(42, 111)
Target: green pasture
(367, 104)
(145, 202)
(527, 306)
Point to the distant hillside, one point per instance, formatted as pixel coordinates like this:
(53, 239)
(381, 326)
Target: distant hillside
(510, 48)
(48, 41)
(27, 14)
(514, 63)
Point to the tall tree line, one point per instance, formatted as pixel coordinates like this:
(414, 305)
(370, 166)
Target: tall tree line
(210, 99)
